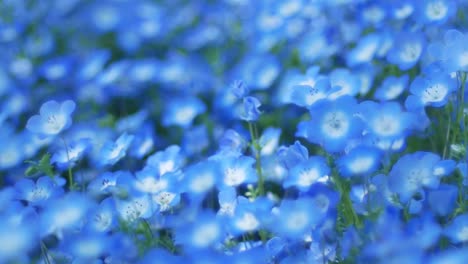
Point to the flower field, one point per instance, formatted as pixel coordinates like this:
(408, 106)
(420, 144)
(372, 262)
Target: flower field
(233, 131)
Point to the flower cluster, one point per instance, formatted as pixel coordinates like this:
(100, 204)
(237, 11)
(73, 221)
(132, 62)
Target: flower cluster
(233, 131)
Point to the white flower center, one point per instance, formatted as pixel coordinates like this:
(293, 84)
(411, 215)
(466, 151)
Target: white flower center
(335, 124)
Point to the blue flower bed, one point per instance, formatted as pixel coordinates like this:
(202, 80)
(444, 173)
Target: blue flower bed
(233, 131)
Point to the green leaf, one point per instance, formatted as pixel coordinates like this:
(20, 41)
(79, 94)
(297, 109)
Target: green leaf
(43, 166)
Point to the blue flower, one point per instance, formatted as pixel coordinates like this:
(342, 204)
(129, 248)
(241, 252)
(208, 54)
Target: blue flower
(430, 90)
(295, 219)
(333, 124)
(68, 156)
(414, 171)
(102, 218)
(364, 51)
(457, 230)
(238, 170)
(239, 89)
(292, 155)
(201, 177)
(112, 152)
(65, 214)
(251, 112)
(169, 160)
(359, 161)
(182, 111)
(406, 50)
(442, 201)
(53, 118)
(205, 232)
(56, 69)
(39, 193)
(308, 172)
(138, 206)
(312, 89)
(391, 88)
(386, 121)
(434, 11)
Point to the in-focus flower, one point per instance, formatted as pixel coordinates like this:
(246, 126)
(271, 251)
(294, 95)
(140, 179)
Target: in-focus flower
(430, 90)
(333, 124)
(53, 118)
(112, 152)
(414, 171)
(251, 113)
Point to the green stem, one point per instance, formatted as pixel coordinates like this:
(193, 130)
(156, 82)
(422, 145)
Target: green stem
(45, 253)
(257, 148)
(70, 174)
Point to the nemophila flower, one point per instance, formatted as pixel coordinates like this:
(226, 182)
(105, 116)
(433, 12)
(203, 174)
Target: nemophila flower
(268, 141)
(292, 155)
(231, 143)
(64, 214)
(430, 90)
(308, 172)
(69, 155)
(227, 199)
(103, 217)
(391, 88)
(453, 53)
(453, 255)
(251, 113)
(434, 11)
(92, 64)
(414, 171)
(10, 156)
(205, 232)
(359, 161)
(39, 192)
(53, 118)
(86, 246)
(406, 50)
(424, 230)
(386, 121)
(169, 160)
(144, 71)
(364, 51)
(56, 69)
(167, 199)
(131, 122)
(104, 183)
(112, 152)
(295, 219)
(259, 71)
(196, 140)
(309, 91)
(343, 82)
(239, 89)
(249, 216)
(182, 111)
(17, 239)
(457, 230)
(201, 178)
(333, 124)
(442, 201)
(317, 45)
(238, 170)
(138, 206)
(366, 74)
(402, 10)
(144, 141)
